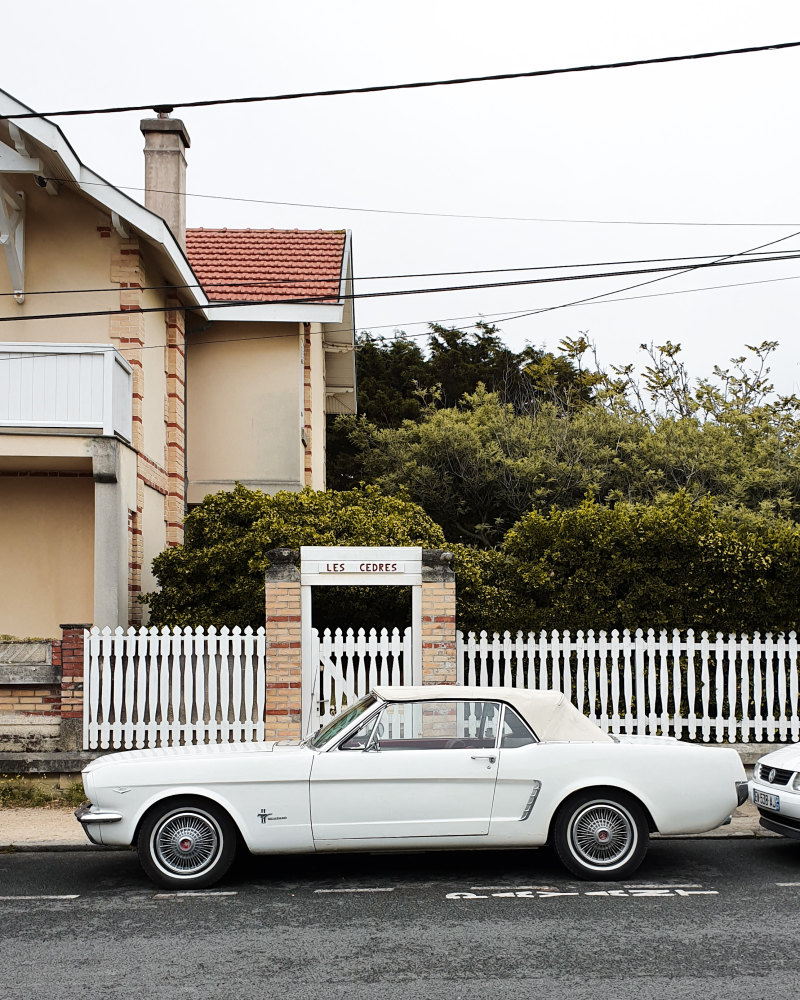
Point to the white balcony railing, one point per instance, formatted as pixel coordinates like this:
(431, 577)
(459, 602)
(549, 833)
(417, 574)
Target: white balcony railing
(82, 388)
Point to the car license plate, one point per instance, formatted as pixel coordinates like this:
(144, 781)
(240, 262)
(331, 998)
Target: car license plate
(766, 801)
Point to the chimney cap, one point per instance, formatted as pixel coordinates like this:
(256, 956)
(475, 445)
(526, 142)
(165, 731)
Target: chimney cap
(165, 125)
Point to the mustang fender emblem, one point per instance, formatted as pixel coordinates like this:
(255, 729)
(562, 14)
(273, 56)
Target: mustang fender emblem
(121, 791)
(264, 816)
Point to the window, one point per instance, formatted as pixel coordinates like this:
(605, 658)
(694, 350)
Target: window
(342, 721)
(515, 732)
(438, 725)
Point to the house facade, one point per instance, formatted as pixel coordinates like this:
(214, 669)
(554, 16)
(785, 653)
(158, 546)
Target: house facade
(142, 368)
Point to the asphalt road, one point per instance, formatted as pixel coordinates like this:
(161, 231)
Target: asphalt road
(701, 919)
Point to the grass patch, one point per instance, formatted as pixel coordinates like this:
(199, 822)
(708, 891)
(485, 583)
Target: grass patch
(19, 791)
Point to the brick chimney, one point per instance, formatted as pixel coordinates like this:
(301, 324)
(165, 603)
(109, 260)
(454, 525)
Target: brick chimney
(165, 142)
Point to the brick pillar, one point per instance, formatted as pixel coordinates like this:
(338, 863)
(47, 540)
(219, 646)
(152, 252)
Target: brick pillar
(438, 618)
(72, 686)
(284, 647)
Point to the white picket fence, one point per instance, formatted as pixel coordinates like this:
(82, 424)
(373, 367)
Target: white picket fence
(150, 687)
(171, 687)
(346, 665)
(723, 688)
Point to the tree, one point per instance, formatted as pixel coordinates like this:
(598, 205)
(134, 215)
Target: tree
(480, 465)
(397, 383)
(217, 576)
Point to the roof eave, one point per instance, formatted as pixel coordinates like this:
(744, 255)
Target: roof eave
(70, 168)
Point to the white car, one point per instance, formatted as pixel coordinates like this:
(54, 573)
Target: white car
(436, 767)
(775, 790)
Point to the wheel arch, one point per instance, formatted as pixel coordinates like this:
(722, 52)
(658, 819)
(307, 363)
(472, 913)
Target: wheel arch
(600, 789)
(166, 795)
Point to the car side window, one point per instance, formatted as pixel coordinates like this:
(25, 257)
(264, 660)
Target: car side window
(360, 738)
(438, 725)
(515, 733)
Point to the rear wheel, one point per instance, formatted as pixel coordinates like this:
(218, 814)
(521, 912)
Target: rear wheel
(187, 844)
(601, 835)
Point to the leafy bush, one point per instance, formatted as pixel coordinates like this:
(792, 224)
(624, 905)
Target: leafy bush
(673, 563)
(19, 791)
(217, 576)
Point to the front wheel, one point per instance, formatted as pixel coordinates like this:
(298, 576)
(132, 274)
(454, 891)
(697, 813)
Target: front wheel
(186, 844)
(601, 835)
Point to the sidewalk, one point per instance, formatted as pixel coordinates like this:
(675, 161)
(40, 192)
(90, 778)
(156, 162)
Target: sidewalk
(58, 830)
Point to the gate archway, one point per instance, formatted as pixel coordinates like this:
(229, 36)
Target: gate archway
(352, 566)
(289, 638)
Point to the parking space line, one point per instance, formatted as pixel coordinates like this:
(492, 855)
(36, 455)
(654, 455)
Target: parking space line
(194, 894)
(356, 890)
(68, 896)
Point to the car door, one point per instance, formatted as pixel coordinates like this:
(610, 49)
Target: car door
(421, 769)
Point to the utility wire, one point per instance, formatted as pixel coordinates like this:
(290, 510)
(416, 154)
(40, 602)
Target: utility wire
(723, 261)
(329, 299)
(167, 107)
(426, 215)
(490, 318)
(770, 255)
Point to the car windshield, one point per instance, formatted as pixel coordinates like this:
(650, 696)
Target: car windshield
(342, 721)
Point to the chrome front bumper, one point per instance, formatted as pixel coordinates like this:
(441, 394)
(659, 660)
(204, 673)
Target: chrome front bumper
(88, 814)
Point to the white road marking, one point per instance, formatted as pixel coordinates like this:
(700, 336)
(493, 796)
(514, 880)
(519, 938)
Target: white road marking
(70, 896)
(626, 893)
(788, 885)
(196, 894)
(355, 890)
(665, 885)
(509, 888)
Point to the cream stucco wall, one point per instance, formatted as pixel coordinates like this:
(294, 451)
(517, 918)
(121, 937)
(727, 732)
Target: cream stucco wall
(244, 407)
(154, 535)
(63, 250)
(46, 553)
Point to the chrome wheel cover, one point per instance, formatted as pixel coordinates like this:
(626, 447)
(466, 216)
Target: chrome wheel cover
(602, 835)
(186, 843)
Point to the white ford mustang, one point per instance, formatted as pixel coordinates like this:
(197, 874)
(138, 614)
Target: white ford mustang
(434, 767)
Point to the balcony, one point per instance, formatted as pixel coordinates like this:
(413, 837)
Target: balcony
(66, 389)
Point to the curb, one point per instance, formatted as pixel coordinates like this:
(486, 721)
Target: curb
(49, 847)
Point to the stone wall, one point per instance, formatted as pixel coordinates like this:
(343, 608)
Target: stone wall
(41, 693)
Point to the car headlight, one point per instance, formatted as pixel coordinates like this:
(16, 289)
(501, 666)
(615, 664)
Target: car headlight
(796, 782)
(757, 771)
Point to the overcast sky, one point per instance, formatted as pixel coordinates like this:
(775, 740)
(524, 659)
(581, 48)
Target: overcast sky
(712, 141)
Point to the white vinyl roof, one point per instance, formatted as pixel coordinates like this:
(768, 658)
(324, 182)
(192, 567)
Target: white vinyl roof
(551, 716)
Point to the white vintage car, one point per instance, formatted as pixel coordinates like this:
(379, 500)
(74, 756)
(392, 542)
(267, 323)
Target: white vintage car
(434, 767)
(775, 790)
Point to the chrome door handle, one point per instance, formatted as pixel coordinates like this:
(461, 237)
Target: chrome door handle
(490, 757)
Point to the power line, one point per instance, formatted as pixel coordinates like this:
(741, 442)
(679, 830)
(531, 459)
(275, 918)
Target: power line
(726, 261)
(721, 262)
(165, 107)
(482, 317)
(776, 255)
(499, 317)
(426, 215)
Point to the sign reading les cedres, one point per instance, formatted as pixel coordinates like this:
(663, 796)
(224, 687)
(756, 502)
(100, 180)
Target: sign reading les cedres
(365, 566)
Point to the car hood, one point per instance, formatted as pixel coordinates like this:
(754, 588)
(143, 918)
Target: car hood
(159, 755)
(787, 758)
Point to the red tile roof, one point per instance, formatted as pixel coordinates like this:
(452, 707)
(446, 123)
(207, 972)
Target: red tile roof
(257, 265)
